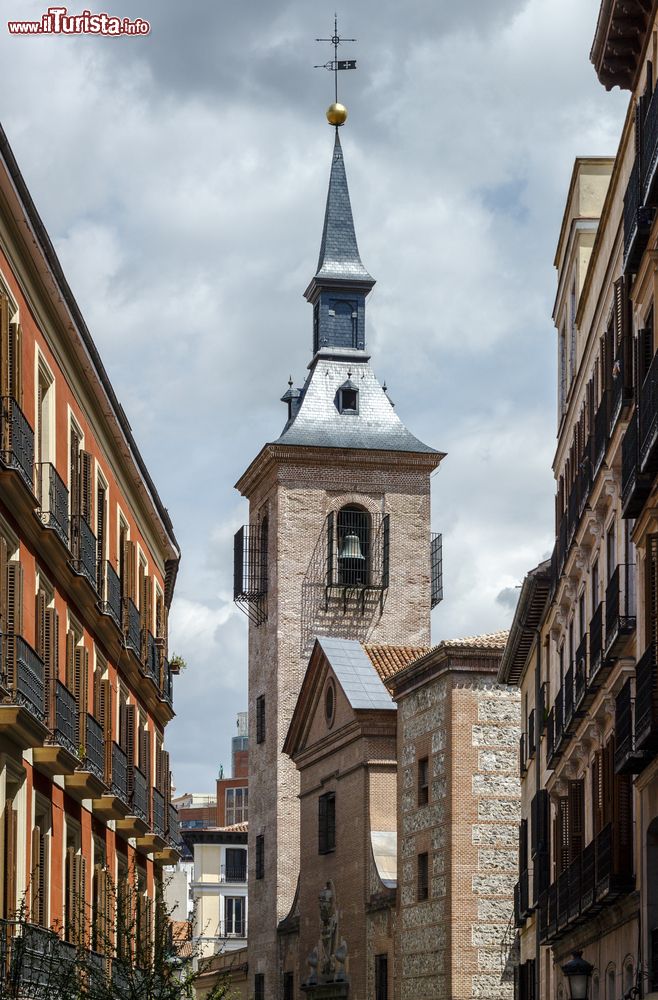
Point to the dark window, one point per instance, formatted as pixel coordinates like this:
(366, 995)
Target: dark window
(327, 823)
(329, 703)
(260, 856)
(381, 977)
(349, 400)
(236, 864)
(288, 985)
(259, 986)
(422, 881)
(423, 781)
(260, 719)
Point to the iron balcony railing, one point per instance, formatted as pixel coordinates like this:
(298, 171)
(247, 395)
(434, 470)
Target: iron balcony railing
(646, 703)
(620, 608)
(573, 512)
(563, 544)
(159, 823)
(250, 571)
(119, 784)
(588, 875)
(17, 439)
(150, 656)
(601, 429)
(580, 674)
(625, 755)
(595, 646)
(139, 798)
(550, 737)
(637, 221)
(575, 887)
(109, 590)
(649, 149)
(614, 864)
(24, 675)
(131, 626)
(584, 481)
(83, 549)
(235, 872)
(167, 689)
(66, 718)
(53, 499)
(648, 419)
(94, 756)
(173, 828)
(563, 899)
(436, 568)
(559, 718)
(531, 734)
(621, 394)
(635, 485)
(568, 697)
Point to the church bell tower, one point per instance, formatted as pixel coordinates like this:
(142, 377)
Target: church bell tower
(338, 543)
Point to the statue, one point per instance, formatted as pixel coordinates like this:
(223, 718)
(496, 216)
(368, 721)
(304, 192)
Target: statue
(327, 961)
(329, 928)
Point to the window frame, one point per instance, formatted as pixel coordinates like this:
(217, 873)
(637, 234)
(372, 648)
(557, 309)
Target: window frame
(422, 877)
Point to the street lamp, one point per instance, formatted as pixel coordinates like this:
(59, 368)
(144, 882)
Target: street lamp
(578, 972)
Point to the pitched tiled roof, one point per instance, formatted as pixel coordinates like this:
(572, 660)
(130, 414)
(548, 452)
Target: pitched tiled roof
(492, 640)
(235, 828)
(387, 660)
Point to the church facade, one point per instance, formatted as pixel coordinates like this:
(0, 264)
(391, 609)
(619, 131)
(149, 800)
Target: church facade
(338, 544)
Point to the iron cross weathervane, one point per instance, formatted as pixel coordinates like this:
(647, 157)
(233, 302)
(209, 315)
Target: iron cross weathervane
(336, 64)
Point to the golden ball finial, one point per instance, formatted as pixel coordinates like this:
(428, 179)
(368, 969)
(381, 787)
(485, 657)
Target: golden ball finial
(337, 114)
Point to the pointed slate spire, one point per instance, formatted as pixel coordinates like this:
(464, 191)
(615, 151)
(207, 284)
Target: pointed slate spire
(339, 253)
(341, 283)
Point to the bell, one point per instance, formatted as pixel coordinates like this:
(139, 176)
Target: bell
(351, 548)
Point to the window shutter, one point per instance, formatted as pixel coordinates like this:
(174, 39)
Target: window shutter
(608, 781)
(70, 661)
(651, 590)
(146, 603)
(576, 819)
(105, 719)
(85, 485)
(3, 585)
(71, 894)
(35, 880)
(15, 597)
(597, 794)
(563, 839)
(49, 656)
(523, 845)
(15, 362)
(322, 825)
(130, 744)
(80, 690)
(145, 755)
(166, 783)
(5, 380)
(623, 813)
(129, 563)
(330, 548)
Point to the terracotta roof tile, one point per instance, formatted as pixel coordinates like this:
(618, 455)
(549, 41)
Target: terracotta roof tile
(492, 640)
(387, 660)
(235, 828)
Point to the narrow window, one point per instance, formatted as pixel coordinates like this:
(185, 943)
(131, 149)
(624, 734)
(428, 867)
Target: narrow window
(381, 977)
(422, 880)
(236, 865)
(423, 781)
(327, 823)
(260, 718)
(288, 986)
(259, 986)
(260, 856)
(611, 550)
(234, 925)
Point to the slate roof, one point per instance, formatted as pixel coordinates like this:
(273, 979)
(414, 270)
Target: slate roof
(387, 660)
(339, 253)
(319, 423)
(356, 674)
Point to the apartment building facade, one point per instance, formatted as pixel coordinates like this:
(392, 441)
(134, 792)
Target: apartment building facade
(88, 563)
(594, 665)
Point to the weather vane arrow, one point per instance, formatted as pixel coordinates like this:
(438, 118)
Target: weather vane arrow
(337, 114)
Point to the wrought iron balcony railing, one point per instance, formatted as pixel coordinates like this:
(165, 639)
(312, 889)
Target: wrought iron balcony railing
(250, 571)
(24, 675)
(568, 697)
(635, 485)
(436, 568)
(234, 872)
(173, 827)
(588, 875)
(139, 797)
(131, 625)
(53, 499)
(637, 221)
(109, 590)
(167, 688)
(648, 418)
(595, 646)
(575, 887)
(66, 718)
(601, 430)
(620, 608)
(646, 703)
(17, 441)
(550, 738)
(580, 674)
(159, 822)
(150, 656)
(627, 760)
(83, 549)
(622, 392)
(94, 755)
(119, 785)
(559, 718)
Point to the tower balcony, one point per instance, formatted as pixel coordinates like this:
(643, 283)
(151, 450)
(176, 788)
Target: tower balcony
(88, 780)
(250, 571)
(22, 693)
(59, 754)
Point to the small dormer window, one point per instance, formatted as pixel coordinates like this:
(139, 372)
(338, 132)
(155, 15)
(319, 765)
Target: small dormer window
(348, 398)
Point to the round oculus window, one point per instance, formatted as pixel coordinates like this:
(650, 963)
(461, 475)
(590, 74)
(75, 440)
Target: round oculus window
(329, 704)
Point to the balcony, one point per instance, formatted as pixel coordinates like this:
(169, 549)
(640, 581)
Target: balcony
(83, 549)
(627, 760)
(139, 796)
(601, 430)
(620, 610)
(614, 865)
(159, 821)
(588, 877)
(150, 657)
(525, 909)
(575, 887)
(22, 693)
(563, 900)
(167, 689)
(646, 704)
(584, 480)
(53, 498)
(119, 784)
(173, 828)
(136, 822)
(109, 591)
(580, 690)
(573, 512)
(635, 485)
(637, 222)
(17, 441)
(568, 698)
(131, 625)
(648, 419)
(88, 781)
(649, 151)
(113, 803)
(621, 394)
(595, 648)
(60, 753)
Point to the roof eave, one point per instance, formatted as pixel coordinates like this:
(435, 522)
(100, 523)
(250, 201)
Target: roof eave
(526, 623)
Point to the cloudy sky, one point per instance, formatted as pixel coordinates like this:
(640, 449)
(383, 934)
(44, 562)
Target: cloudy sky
(182, 178)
